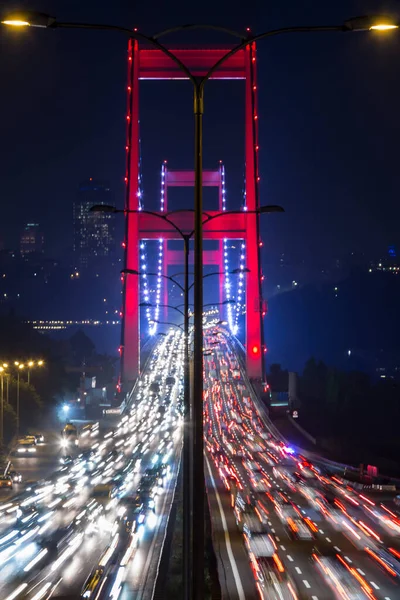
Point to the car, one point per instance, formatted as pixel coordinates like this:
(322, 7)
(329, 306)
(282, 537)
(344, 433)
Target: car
(30, 438)
(93, 583)
(26, 446)
(6, 482)
(39, 437)
(102, 492)
(15, 476)
(135, 512)
(66, 460)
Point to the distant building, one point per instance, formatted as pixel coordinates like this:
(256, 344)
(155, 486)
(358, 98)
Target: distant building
(31, 240)
(94, 233)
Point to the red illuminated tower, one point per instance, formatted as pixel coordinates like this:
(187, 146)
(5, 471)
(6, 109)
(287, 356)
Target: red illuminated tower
(144, 63)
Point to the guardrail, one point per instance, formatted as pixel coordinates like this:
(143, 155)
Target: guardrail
(262, 410)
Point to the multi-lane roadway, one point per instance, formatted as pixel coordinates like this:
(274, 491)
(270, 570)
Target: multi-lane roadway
(94, 526)
(283, 527)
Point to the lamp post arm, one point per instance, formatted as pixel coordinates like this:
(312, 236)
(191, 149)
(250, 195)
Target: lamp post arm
(260, 36)
(207, 275)
(170, 278)
(170, 324)
(136, 35)
(154, 214)
(173, 307)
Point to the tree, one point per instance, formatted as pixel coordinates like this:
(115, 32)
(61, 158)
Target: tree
(278, 379)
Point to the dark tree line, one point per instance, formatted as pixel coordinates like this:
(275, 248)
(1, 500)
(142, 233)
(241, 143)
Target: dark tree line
(57, 380)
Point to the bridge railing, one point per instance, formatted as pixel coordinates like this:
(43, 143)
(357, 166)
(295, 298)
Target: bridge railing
(261, 408)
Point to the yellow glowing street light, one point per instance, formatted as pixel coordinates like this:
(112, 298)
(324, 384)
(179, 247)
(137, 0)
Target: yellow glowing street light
(5, 365)
(16, 363)
(40, 363)
(30, 363)
(21, 366)
(383, 27)
(371, 23)
(16, 23)
(28, 18)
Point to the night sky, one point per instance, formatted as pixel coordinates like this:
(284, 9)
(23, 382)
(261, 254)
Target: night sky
(328, 106)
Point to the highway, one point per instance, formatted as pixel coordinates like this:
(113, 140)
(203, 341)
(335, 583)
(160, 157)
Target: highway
(94, 526)
(283, 527)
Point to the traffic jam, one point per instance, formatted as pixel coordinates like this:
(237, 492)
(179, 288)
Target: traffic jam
(307, 533)
(81, 528)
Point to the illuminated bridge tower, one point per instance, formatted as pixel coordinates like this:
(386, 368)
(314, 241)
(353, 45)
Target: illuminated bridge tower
(144, 63)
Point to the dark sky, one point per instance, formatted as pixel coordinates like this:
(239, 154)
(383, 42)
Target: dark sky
(328, 105)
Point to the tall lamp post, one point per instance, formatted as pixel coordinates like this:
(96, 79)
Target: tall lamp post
(365, 23)
(19, 366)
(2, 407)
(190, 408)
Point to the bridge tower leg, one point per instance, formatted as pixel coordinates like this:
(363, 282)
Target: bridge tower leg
(221, 263)
(165, 282)
(254, 335)
(130, 346)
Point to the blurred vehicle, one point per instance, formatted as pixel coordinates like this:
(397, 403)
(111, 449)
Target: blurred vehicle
(15, 476)
(39, 437)
(66, 460)
(135, 513)
(247, 515)
(272, 580)
(25, 446)
(258, 544)
(69, 435)
(93, 583)
(30, 438)
(102, 492)
(344, 580)
(298, 529)
(6, 482)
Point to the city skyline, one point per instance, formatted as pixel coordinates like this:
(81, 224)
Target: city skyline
(94, 241)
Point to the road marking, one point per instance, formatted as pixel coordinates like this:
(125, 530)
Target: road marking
(321, 532)
(348, 559)
(298, 570)
(269, 523)
(386, 598)
(273, 530)
(289, 558)
(283, 548)
(277, 538)
(361, 572)
(314, 597)
(235, 571)
(337, 549)
(374, 584)
(328, 540)
(306, 584)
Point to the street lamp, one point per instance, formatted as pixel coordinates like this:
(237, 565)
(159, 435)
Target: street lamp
(2, 407)
(20, 367)
(364, 23)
